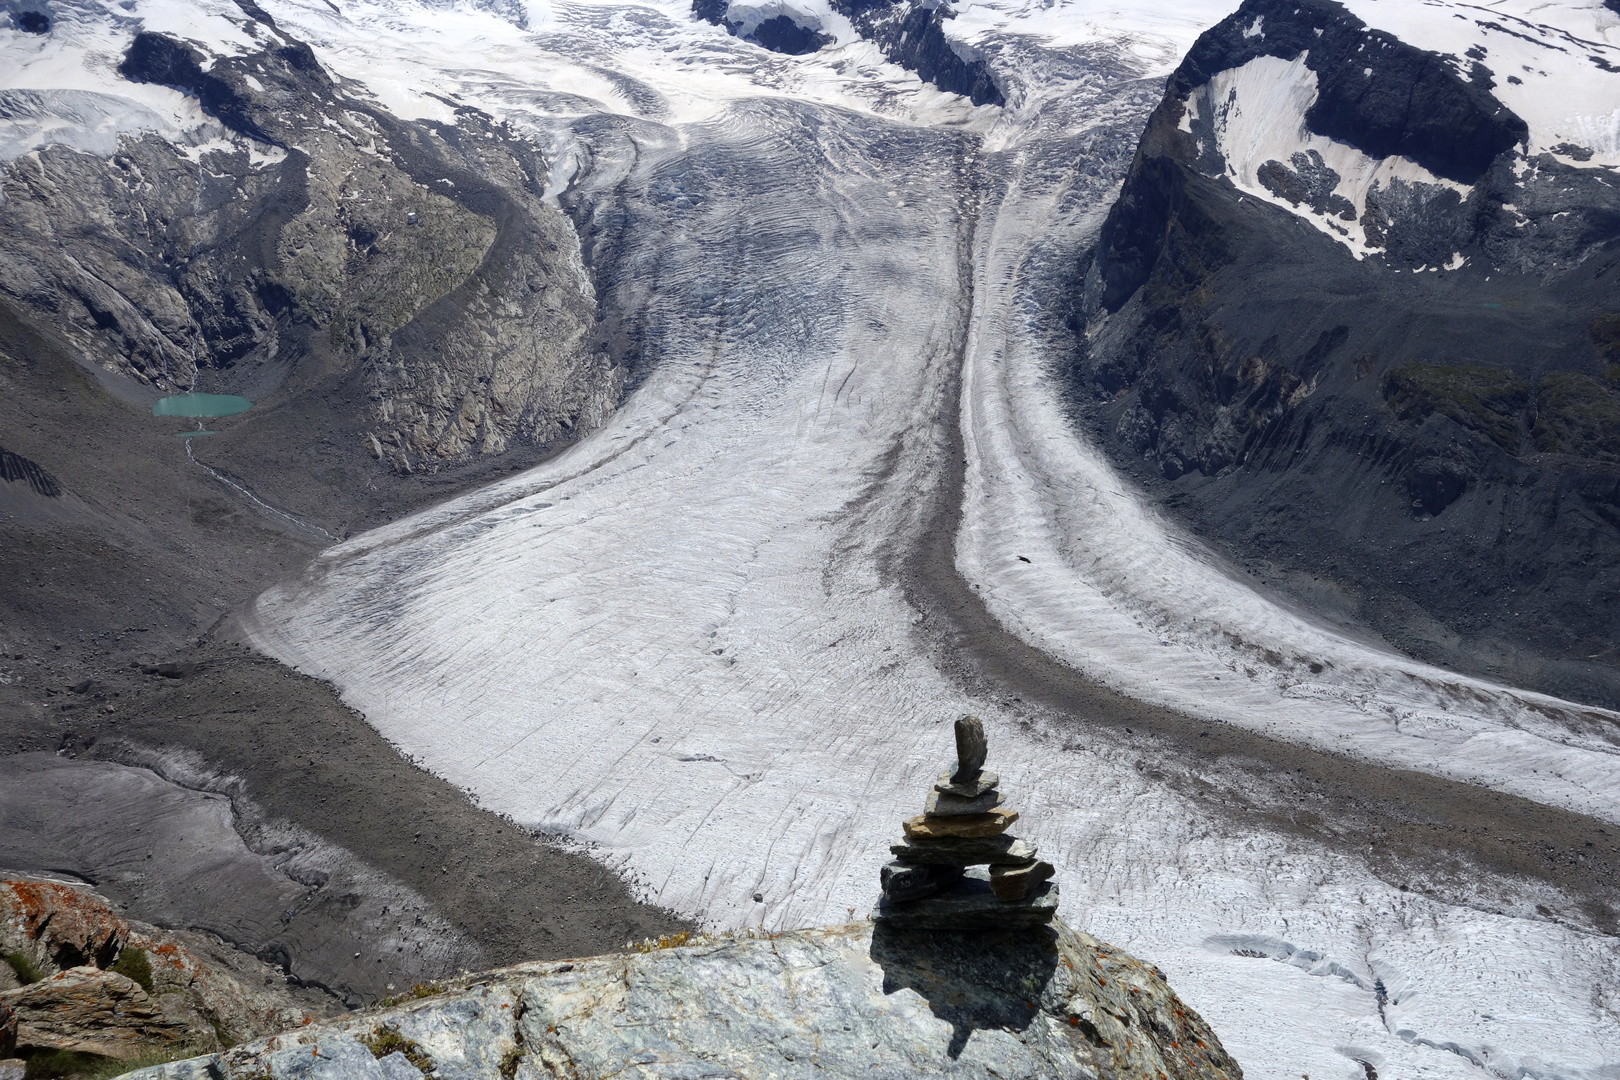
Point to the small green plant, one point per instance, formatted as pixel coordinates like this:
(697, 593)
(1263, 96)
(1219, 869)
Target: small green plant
(665, 941)
(1605, 331)
(509, 1062)
(61, 1064)
(415, 993)
(24, 967)
(1578, 415)
(134, 965)
(386, 1040)
(1488, 401)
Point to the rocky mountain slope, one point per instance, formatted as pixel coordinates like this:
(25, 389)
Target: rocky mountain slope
(840, 1001)
(200, 204)
(1355, 317)
(393, 296)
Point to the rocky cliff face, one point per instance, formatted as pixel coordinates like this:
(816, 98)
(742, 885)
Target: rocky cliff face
(1354, 317)
(842, 1001)
(910, 33)
(309, 249)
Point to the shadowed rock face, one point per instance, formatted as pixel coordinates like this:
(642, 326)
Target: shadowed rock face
(912, 34)
(840, 1001)
(779, 34)
(1414, 450)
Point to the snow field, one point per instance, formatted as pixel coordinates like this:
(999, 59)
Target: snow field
(1258, 114)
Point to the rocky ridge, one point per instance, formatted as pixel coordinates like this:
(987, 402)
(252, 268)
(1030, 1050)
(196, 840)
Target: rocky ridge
(840, 1001)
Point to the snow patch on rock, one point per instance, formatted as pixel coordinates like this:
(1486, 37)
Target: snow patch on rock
(1252, 118)
(1556, 63)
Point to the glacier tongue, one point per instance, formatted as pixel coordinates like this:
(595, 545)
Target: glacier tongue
(682, 643)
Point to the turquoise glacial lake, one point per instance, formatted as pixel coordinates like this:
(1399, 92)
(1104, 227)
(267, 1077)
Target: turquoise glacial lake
(201, 405)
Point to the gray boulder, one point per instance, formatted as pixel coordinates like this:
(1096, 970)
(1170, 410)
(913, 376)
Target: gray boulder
(851, 1000)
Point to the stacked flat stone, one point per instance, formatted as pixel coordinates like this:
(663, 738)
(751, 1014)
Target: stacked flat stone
(935, 880)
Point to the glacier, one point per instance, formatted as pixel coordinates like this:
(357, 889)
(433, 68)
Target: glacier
(685, 645)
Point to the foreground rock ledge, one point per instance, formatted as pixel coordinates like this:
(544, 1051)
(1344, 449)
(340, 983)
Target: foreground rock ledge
(859, 1000)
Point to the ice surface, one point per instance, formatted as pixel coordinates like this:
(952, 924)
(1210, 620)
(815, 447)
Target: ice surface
(88, 121)
(63, 87)
(1076, 564)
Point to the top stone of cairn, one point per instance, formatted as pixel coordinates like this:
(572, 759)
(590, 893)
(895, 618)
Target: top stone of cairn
(968, 780)
(971, 749)
(929, 884)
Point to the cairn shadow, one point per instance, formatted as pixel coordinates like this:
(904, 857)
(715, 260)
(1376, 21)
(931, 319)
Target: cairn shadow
(971, 979)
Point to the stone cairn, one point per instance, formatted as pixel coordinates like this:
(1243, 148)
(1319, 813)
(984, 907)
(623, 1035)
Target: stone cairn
(935, 880)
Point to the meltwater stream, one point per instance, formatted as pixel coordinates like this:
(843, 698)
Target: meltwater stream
(680, 643)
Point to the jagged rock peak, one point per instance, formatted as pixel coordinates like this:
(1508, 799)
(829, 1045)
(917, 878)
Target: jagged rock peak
(910, 33)
(838, 1001)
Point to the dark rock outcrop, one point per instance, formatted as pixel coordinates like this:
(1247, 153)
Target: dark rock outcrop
(911, 33)
(92, 982)
(15, 467)
(780, 33)
(1428, 452)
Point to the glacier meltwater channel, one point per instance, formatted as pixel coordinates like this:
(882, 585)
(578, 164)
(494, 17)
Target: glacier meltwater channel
(683, 642)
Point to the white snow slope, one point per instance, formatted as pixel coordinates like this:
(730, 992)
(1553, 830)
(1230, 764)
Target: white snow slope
(682, 645)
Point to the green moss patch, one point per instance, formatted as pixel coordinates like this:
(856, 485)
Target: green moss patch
(69, 1065)
(134, 965)
(415, 993)
(386, 1040)
(1488, 401)
(24, 967)
(1578, 415)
